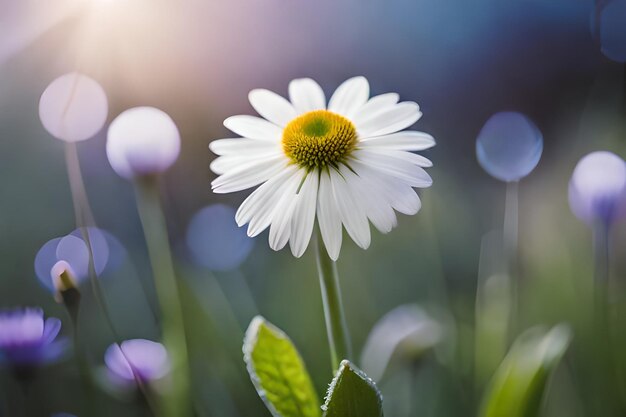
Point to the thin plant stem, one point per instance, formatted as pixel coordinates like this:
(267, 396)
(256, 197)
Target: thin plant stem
(601, 253)
(338, 337)
(84, 220)
(176, 401)
(511, 246)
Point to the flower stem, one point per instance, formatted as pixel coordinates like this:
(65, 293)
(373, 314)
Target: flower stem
(511, 244)
(338, 337)
(84, 219)
(601, 252)
(177, 400)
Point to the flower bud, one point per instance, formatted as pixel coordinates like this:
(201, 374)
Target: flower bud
(137, 361)
(73, 107)
(597, 190)
(142, 141)
(65, 284)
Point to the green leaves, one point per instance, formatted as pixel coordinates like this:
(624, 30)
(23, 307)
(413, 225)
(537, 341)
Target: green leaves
(282, 381)
(517, 388)
(352, 394)
(278, 372)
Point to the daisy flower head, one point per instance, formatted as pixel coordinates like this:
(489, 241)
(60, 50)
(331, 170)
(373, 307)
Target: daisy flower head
(347, 162)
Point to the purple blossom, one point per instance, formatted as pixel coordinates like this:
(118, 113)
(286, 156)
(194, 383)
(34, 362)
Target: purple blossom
(597, 190)
(137, 359)
(27, 340)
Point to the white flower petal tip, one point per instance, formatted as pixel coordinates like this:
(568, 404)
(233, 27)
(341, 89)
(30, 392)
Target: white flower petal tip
(344, 167)
(253, 127)
(350, 96)
(306, 95)
(272, 107)
(142, 141)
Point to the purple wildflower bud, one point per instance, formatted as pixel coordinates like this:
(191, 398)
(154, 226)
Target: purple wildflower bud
(27, 340)
(597, 190)
(137, 360)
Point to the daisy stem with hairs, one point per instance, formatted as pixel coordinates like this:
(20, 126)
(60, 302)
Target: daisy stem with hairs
(338, 336)
(177, 401)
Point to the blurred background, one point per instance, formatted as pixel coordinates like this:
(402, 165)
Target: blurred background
(197, 60)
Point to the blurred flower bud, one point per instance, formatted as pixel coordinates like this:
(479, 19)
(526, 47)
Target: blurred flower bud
(136, 360)
(73, 107)
(597, 190)
(142, 141)
(509, 146)
(67, 292)
(406, 332)
(108, 254)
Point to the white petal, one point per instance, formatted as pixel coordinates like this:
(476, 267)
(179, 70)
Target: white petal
(304, 216)
(375, 105)
(261, 196)
(241, 146)
(253, 127)
(263, 210)
(396, 118)
(306, 95)
(408, 140)
(249, 175)
(271, 106)
(223, 164)
(412, 158)
(349, 96)
(373, 199)
(399, 195)
(280, 229)
(411, 174)
(328, 217)
(351, 210)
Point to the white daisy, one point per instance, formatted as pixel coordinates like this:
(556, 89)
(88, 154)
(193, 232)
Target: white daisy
(345, 163)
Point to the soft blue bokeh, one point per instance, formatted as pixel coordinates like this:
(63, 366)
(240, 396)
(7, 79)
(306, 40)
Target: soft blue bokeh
(613, 30)
(108, 254)
(509, 146)
(215, 240)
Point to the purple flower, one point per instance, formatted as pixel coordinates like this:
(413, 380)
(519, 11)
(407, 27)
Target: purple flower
(27, 340)
(597, 190)
(137, 360)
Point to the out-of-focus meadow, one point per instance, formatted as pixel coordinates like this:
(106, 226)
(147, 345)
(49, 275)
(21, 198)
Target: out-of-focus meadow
(461, 61)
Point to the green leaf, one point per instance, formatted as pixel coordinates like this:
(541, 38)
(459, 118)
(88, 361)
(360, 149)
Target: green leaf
(518, 386)
(352, 394)
(278, 372)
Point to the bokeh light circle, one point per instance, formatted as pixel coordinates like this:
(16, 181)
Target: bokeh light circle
(509, 146)
(73, 107)
(612, 21)
(108, 254)
(597, 190)
(214, 239)
(142, 141)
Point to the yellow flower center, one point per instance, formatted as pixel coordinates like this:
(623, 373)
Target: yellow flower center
(319, 138)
